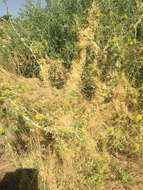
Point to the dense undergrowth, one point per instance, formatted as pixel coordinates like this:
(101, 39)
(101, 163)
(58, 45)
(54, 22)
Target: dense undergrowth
(71, 92)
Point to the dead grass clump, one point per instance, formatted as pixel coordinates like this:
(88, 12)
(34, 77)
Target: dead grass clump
(57, 74)
(24, 63)
(72, 142)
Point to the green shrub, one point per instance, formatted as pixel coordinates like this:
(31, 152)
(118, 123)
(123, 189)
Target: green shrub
(119, 36)
(58, 24)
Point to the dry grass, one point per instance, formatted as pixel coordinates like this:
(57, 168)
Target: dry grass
(75, 143)
(75, 152)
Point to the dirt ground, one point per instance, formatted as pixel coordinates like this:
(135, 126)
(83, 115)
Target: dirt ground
(6, 164)
(10, 179)
(135, 168)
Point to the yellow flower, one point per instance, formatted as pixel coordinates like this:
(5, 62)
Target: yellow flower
(70, 154)
(108, 27)
(51, 175)
(25, 89)
(114, 39)
(97, 14)
(37, 116)
(125, 16)
(125, 10)
(139, 117)
(111, 129)
(1, 131)
(83, 131)
(131, 43)
(7, 91)
(45, 43)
